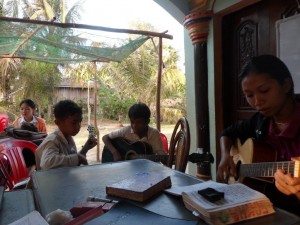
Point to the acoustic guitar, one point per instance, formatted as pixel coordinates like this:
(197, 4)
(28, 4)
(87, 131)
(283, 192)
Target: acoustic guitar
(256, 164)
(258, 159)
(142, 150)
(126, 149)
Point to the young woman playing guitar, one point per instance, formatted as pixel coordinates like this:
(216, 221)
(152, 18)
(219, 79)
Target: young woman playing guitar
(268, 87)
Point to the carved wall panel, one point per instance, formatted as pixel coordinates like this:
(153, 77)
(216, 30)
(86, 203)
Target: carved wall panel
(247, 41)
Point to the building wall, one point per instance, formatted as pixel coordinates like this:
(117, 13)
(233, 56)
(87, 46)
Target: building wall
(178, 9)
(219, 6)
(75, 94)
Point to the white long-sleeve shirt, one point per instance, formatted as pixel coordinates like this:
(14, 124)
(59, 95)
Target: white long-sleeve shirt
(56, 151)
(153, 138)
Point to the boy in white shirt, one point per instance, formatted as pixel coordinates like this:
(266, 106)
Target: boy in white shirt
(138, 130)
(59, 149)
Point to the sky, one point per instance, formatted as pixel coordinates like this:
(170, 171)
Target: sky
(120, 13)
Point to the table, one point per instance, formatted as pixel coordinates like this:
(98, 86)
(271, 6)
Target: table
(15, 205)
(62, 188)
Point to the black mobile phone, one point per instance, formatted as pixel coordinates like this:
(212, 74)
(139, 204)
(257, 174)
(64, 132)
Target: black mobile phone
(211, 194)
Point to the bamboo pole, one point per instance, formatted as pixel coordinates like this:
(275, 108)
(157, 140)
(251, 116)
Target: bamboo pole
(89, 27)
(88, 103)
(159, 75)
(95, 113)
(163, 65)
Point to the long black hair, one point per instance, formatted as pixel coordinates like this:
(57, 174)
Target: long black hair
(139, 110)
(65, 108)
(270, 65)
(28, 102)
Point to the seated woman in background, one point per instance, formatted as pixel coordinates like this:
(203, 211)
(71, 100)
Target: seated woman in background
(28, 120)
(269, 89)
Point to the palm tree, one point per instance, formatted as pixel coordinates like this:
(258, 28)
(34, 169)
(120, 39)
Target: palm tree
(48, 9)
(8, 65)
(37, 9)
(12, 8)
(136, 76)
(2, 8)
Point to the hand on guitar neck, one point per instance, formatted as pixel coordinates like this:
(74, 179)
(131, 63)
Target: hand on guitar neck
(286, 183)
(91, 141)
(255, 165)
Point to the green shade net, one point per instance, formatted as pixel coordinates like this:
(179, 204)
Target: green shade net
(58, 45)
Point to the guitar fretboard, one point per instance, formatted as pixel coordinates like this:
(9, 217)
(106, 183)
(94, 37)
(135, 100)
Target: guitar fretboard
(267, 169)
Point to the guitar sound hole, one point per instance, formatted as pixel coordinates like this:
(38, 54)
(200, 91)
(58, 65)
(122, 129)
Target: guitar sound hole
(131, 154)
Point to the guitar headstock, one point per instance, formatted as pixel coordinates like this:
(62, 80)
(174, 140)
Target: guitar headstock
(92, 131)
(201, 157)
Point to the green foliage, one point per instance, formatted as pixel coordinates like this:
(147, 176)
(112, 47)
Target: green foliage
(112, 106)
(10, 71)
(38, 81)
(7, 108)
(121, 84)
(2, 10)
(83, 105)
(136, 78)
(172, 114)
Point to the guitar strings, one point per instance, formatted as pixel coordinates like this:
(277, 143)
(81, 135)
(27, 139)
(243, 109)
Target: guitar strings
(266, 169)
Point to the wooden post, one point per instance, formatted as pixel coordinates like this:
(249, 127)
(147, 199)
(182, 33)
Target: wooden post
(88, 103)
(95, 113)
(88, 27)
(197, 23)
(159, 75)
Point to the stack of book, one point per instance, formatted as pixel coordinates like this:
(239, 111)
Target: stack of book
(237, 203)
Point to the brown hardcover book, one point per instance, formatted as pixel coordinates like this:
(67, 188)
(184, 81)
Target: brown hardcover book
(87, 216)
(139, 187)
(84, 207)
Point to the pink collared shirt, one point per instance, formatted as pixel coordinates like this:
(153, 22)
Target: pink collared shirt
(287, 142)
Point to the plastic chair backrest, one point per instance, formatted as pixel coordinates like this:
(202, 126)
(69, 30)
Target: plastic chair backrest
(12, 161)
(165, 142)
(3, 121)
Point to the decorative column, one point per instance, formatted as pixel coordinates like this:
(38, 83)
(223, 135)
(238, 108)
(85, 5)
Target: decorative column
(197, 23)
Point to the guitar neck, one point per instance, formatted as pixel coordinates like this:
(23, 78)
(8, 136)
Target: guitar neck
(267, 169)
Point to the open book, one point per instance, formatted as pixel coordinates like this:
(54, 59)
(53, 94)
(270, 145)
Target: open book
(239, 203)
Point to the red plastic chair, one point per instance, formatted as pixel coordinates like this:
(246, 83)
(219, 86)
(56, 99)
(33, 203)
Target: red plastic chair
(12, 161)
(165, 142)
(3, 121)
